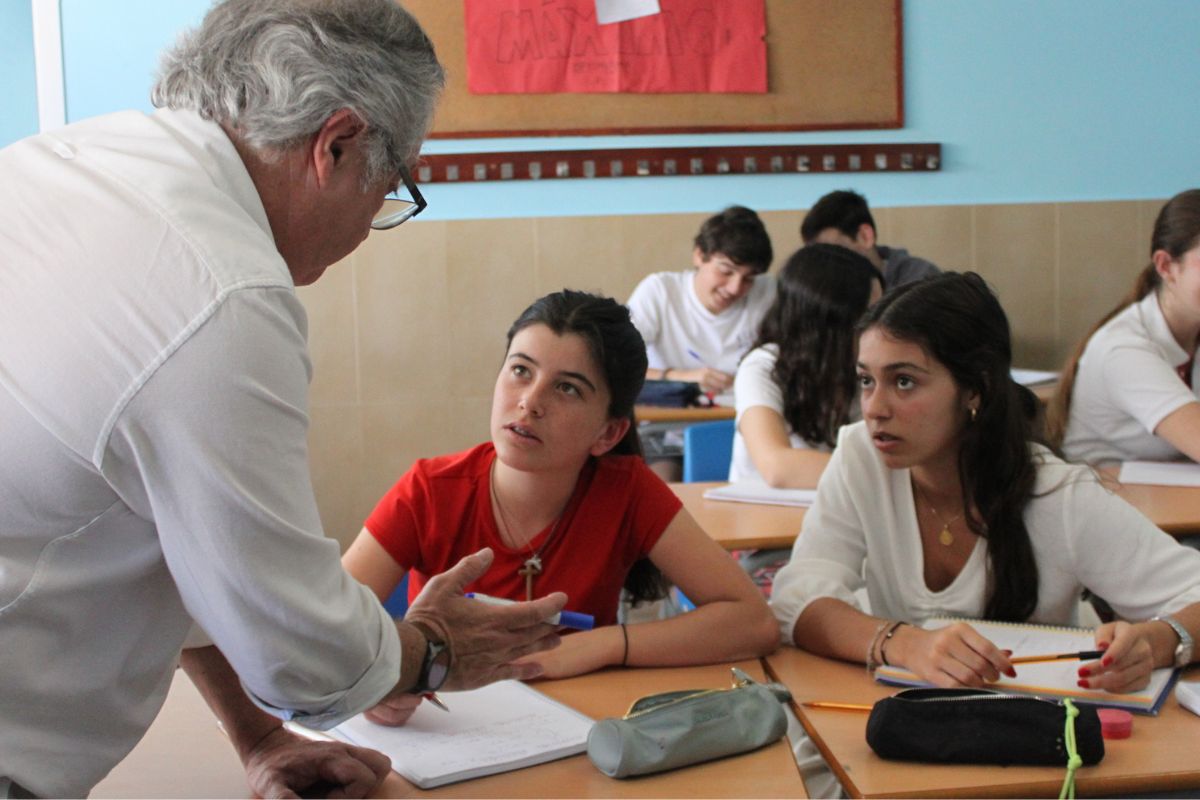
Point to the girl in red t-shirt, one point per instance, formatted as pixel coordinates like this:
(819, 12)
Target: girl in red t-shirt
(566, 503)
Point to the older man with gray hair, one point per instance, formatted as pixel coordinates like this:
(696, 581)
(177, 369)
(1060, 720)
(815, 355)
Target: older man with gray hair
(153, 391)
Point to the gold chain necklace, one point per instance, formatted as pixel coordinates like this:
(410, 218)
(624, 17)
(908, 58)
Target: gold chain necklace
(532, 567)
(945, 537)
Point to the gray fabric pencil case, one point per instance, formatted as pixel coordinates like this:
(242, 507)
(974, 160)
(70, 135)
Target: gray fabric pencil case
(674, 729)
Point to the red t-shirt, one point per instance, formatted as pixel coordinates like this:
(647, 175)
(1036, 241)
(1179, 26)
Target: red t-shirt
(441, 510)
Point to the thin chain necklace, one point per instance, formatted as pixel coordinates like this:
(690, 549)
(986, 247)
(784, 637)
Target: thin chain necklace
(533, 565)
(945, 537)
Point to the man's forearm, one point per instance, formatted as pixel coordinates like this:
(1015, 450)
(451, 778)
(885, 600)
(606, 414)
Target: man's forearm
(245, 723)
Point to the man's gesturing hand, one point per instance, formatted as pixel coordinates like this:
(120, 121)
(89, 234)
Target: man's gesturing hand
(484, 639)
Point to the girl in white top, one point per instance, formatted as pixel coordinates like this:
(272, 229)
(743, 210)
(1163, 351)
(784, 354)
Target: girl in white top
(797, 386)
(1132, 389)
(939, 504)
(698, 323)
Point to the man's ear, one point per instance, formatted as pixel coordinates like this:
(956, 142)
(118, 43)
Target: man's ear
(340, 133)
(865, 235)
(612, 433)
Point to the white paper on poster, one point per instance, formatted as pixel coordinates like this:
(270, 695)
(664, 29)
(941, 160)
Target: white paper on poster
(620, 10)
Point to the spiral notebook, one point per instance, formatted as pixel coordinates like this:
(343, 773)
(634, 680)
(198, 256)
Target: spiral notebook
(499, 727)
(1054, 679)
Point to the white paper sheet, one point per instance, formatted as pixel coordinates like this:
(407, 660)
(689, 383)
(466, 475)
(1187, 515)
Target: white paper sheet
(620, 10)
(1160, 473)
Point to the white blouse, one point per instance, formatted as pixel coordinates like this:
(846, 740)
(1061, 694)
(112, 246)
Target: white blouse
(862, 531)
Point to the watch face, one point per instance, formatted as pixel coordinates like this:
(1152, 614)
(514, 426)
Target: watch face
(439, 667)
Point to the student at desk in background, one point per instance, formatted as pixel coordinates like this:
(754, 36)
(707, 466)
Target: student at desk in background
(939, 504)
(797, 386)
(698, 323)
(565, 501)
(843, 218)
(1131, 391)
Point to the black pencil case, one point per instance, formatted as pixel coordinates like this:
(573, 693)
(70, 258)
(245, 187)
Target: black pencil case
(980, 726)
(670, 394)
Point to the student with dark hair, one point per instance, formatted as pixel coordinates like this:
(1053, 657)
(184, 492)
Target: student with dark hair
(843, 218)
(940, 505)
(797, 386)
(698, 323)
(562, 497)
(1131, 390)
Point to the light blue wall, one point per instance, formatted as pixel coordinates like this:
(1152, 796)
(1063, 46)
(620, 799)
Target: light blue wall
(1032, 100)
(18, 86)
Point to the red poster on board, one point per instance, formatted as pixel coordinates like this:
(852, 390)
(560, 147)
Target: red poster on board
(554, 46)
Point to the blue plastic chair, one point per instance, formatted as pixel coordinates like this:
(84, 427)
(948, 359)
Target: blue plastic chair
(707, 451)
(397, 602)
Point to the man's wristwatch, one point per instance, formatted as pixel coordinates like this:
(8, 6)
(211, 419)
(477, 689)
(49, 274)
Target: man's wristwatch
(435, 667)
(1183, 650)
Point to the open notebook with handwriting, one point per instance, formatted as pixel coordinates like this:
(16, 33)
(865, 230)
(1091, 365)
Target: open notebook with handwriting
(1054, 679)
(499, 727)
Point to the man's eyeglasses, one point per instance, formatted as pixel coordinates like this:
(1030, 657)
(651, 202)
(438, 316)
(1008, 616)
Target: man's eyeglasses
(397, 207)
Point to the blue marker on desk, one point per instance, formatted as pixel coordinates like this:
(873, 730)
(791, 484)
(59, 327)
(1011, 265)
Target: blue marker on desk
(566, 619)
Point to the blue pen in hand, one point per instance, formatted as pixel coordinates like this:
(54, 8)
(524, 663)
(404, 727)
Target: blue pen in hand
(566, 619)
(696, 356)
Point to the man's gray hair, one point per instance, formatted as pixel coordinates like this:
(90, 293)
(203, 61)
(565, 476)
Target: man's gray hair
(275, 70)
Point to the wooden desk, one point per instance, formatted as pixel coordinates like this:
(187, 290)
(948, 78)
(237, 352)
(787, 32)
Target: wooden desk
(184, 754)
(1160, 756)
(1175, 509)
(741, 526)
(769, 772)
(689, 414)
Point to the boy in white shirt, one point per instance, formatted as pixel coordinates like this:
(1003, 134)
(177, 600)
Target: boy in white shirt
(698, 323)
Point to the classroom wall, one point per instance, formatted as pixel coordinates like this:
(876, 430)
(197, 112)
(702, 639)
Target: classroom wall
(18, 84)
(407, 334)
(1033, 100)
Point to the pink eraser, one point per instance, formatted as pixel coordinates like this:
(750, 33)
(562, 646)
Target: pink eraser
(1115, 723)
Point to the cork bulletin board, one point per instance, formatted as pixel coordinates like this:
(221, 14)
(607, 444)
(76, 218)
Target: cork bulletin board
(832, 64)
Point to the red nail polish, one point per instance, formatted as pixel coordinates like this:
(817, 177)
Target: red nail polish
(1106, 661)
(1012, 673)
(1084, 672)
(1084, 684)
(1103, 645)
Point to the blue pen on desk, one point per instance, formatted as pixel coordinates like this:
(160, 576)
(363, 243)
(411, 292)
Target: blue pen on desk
(567, 619)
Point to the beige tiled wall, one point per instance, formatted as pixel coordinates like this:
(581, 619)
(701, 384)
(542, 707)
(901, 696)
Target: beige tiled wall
(406, 334)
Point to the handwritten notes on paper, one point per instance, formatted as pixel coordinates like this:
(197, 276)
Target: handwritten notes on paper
(499, 727)
(552, 46)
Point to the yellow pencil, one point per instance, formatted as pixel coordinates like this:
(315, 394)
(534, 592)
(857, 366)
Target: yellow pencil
(838, 706)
